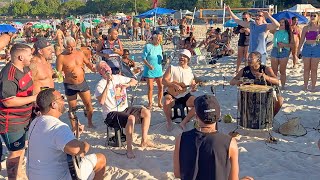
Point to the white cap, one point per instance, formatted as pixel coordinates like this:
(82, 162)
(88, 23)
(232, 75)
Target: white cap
(186, 52)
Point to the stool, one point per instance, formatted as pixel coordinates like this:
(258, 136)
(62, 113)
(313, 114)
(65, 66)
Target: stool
(179, 111)
(118, 138)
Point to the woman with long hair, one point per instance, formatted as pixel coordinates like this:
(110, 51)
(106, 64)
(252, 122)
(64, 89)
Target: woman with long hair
(281, 50)
(152, 58)
(311, 51)
(296, 36)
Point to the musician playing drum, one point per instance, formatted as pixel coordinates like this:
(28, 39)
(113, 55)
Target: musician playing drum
(261, 75)
(177, 79)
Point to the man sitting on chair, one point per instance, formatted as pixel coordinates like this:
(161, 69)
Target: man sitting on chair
(111, 94)
(177, 79)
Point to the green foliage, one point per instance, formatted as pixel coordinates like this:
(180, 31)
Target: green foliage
(70, 7)
(19, 8)
(235, 3)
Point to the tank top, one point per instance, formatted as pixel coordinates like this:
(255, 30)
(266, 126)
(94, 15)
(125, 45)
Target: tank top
(180, 74)
(213, 156)
(257, 40)
(248, 74)
(281, 36)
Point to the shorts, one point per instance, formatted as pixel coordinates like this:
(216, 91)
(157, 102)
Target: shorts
(264, 58)
(182, 100)
(311, 51)
(142, 31)
(15, 141)
(283, 54)
(115, 118)
(73, 89)
(87, 164)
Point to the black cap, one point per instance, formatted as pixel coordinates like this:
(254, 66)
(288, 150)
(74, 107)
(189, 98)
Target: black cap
(41, 43)
(207, 108)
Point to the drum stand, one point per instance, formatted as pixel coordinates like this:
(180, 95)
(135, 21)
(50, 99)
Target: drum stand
(234, 133)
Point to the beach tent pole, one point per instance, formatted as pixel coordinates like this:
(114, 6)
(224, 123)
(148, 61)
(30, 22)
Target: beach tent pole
(194, 12)
(224, 16)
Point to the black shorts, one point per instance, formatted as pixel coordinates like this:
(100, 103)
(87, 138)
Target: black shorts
(182, 100)
(115, 118)
(73, 89)
(15, 141)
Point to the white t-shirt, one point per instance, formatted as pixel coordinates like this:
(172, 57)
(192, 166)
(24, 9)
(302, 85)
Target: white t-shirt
(46, 158)
(180, 74)
(116, 95)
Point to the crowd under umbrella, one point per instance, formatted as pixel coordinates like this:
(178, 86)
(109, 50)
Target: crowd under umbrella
(41, 26)
(7, 28)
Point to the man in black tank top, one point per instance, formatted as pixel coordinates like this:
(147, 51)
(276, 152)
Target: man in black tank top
(261, 75)
(204, 153)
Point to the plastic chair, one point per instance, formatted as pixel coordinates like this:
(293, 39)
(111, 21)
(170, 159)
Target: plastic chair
(118, 138)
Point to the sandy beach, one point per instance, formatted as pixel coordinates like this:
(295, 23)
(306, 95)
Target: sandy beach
(257, 158)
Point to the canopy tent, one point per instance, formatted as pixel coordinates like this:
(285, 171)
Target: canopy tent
(303, 8)
(156, 11)
(288, 15)
(186, 12)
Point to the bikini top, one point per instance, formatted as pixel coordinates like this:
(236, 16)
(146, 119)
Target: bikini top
(311, 35)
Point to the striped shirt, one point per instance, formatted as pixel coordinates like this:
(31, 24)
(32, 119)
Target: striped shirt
(14, 83)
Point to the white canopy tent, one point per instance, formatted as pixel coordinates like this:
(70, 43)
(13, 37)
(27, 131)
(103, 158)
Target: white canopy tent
(300, 8)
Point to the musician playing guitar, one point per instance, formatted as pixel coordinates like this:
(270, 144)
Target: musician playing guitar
(178, 79)
(50, 140)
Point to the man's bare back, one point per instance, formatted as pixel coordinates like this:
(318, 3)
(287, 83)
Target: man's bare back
(41, 74)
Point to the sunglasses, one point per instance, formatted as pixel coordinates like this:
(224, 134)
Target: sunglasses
(61, 97)
(313, 15)
(126, 54)
(259, 15)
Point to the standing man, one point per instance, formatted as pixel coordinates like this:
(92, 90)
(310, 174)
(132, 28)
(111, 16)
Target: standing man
(111, 50)
(59, 40)
(71, 61)
(258, 31)
(16, 103)
(50, 140)
(42, 73)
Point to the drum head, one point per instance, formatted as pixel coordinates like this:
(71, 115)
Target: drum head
(255, 88)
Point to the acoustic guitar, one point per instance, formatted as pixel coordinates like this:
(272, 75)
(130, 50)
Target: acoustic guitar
(173, 92)
(74, 161)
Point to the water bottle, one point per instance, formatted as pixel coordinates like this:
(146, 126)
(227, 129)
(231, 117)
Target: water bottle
(60, 76)
(132, 57)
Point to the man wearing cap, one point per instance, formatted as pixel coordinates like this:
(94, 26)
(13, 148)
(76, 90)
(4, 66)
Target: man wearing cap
(178, 78)
(112, 95)
(204, 153)
(71, 61)
(40, 66)
(16, 104)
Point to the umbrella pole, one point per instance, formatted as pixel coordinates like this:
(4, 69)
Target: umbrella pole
(194, 12)
(224, 15)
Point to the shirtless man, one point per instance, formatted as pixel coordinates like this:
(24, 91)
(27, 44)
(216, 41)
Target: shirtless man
(71, 61)
(59, 40)
(74, 31)
(40, 66)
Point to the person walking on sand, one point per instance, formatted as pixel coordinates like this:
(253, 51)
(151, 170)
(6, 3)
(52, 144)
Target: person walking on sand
(296, 37)
(71, 61)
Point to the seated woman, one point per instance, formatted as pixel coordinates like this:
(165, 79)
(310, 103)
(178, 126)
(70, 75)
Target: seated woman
(130, 62)
(261, 75)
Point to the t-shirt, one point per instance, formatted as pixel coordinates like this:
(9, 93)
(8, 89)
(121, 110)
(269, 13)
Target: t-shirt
(15, 83)
(153, 54)
(281, 36)
(46, 157)
(116, 95)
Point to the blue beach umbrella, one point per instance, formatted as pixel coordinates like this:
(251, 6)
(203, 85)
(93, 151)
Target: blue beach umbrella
(7, 28)
(230, 23)
(288, 15)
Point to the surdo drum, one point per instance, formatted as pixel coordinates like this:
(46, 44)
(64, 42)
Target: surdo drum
(255, 105)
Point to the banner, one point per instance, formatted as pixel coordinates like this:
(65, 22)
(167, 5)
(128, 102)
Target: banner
(155, 4)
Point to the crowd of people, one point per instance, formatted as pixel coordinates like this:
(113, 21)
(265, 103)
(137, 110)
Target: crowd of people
(30, 105)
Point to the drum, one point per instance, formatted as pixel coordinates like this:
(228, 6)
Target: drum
(255, 106)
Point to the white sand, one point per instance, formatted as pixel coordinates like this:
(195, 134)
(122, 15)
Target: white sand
(256, 159)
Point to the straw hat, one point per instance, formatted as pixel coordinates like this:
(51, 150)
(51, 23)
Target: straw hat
(292, 128)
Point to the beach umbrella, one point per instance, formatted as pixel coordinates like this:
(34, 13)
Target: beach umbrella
(41, 26)
(7, 28)
(148, 20)
(230, 23)
(288, 15)
(71, 18)
(97, 20)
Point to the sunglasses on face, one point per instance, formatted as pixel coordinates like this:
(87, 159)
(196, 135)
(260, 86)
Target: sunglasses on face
(259, 15)
(61, 97)
(313, 15)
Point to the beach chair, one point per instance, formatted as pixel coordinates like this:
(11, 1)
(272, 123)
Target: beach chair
(179, 111)
(119, 137)
(200, 55)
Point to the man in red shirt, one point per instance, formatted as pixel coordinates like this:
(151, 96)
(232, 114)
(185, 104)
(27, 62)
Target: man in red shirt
(16, 102)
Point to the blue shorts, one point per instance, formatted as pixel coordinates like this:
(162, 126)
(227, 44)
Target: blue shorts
(279, 55)
(311, 51)
(15, 140)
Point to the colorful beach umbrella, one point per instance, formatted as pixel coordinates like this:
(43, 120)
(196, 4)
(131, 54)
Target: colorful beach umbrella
(7, 28)
(41, 26)
(230, 23)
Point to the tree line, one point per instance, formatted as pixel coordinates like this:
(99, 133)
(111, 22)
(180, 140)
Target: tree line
(43, 8)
